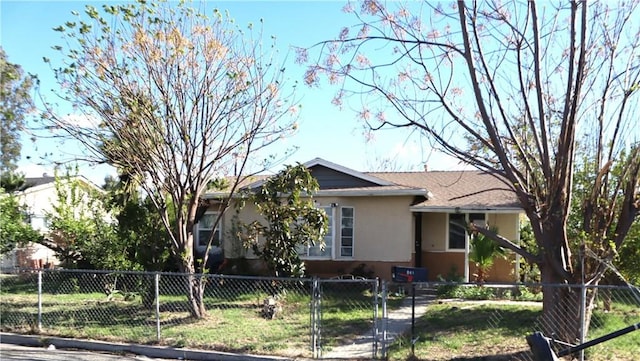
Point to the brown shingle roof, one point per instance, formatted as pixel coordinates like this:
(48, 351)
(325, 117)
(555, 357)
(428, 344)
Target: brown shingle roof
(466, 189)
(457, 189)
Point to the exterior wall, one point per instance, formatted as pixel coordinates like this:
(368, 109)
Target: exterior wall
(439, 261)
(39, 201)
(231, 245)
(503, 270)
(327, 269)
(331, 179)
(442, 264)
(383, 235)
(508, 224)
(383, 227)
(434, 232)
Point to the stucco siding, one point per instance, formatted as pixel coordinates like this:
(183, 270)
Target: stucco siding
(383, 227)
(39, 204)
(434, 232)
(440, 261)
(233, 247)
(507, 224)
(443, 264)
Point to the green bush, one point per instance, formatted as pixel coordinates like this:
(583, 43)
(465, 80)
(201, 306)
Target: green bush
(448, 290)
(468, 292)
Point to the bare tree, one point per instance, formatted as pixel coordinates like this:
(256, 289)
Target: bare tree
(511, 87)
(177, 100)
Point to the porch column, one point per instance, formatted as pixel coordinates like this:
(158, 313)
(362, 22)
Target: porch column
(466, 256)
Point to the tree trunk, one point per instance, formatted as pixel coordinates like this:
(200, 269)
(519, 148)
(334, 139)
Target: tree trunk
(195, 295)
(194, 284)
(561, 308)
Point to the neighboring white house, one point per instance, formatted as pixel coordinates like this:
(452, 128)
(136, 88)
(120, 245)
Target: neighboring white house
(39, 196)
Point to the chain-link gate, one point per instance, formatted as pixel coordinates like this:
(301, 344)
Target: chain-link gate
(347, 320)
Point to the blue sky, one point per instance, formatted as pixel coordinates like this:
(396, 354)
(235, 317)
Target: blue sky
(324, 131)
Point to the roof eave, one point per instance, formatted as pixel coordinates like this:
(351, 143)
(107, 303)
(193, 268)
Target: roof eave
(466, 209)
(52, 184)
(370, 192)
(342, 193)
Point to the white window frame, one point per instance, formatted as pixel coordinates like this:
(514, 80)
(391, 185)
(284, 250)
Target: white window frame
(353, 234)
(329, 238)
(217, 228)
(467, 217)
(334, 236)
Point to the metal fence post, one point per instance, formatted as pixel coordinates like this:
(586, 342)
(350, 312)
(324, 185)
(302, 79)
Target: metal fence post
(39, 300)
(583, 305)
(315, 327)
(583, 316)
(375, 318)
(385, 296)
(156, 279)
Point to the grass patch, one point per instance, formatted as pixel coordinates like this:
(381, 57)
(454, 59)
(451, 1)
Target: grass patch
(346, 314)
(234, 323)
(496, 330)
(603, 322)
(450, 330)
(456, 329)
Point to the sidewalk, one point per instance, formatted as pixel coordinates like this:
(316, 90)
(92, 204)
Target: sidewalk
(399, 323)
(23, 353)
(157, 352)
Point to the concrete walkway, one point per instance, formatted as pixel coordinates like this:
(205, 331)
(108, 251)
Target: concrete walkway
(399, 323)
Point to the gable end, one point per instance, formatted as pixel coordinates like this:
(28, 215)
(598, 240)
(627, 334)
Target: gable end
(332, 179)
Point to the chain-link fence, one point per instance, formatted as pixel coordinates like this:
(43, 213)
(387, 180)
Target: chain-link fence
(290, 317)
(337, 318)
(492, 322)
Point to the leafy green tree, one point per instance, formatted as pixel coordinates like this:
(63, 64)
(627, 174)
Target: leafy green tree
(286, 202)
(81, 230)
(586, 236)
(139, 226)
(15, 230)
(11, 181)
(483, 253)
(529, 271)
(526, 81)
(15, 104)
(628, 258)
(175, 98)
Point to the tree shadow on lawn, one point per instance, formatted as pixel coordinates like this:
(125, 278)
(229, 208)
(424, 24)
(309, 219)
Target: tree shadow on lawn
(512, 320)
(480, 332)
(340, 331)
(183, 306)
(516, 356)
